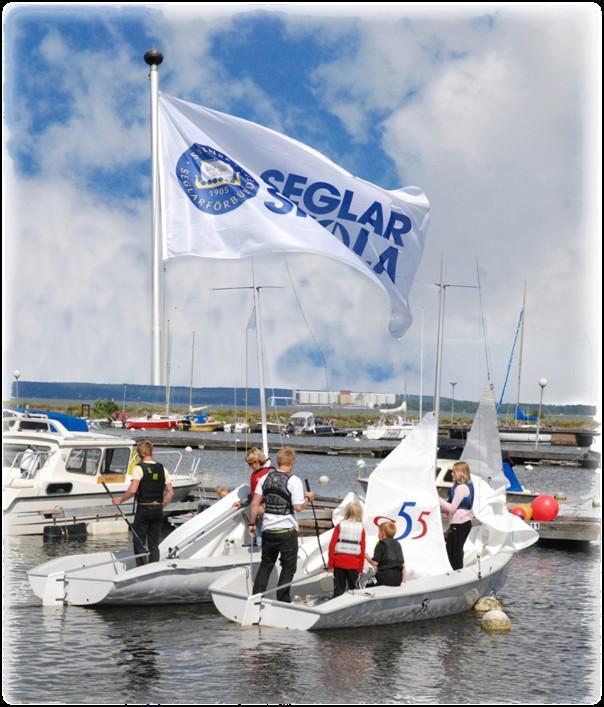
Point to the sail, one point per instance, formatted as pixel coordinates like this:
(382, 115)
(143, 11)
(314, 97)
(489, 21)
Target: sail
(499, 529)
(402, 489)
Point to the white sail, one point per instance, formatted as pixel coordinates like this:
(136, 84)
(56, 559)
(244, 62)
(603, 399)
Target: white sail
(499, 529)
(402, 489)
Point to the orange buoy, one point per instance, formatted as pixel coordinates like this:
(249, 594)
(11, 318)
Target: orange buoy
(545, 508)
(527, 509)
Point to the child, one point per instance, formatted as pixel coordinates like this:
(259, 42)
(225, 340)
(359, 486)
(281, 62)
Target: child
(347, 550)
(388, 557)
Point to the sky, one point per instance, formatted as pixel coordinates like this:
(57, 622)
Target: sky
(493, 110)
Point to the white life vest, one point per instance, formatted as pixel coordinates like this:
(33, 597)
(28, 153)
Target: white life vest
(349, 541)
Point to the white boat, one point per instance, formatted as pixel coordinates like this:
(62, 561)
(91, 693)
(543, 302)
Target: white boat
(402, 488)
(190, 559)
(389, 426)
(54, 477)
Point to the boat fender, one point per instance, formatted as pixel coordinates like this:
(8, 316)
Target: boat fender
(485, 604)
(323, 480)
(545, 508)
(495, 621)
(64, 532)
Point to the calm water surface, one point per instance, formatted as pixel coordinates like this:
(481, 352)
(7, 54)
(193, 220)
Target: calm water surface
(184, 655)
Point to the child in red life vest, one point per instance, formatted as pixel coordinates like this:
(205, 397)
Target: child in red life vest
(347, 550)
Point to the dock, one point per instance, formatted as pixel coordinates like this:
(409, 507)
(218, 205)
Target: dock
(448, 448)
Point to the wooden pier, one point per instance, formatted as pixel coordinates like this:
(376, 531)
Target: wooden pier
(448, 448)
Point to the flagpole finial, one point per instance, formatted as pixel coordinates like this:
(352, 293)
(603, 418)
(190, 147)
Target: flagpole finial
(154, 57)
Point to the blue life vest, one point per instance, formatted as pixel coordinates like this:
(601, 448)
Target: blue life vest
(468, 501)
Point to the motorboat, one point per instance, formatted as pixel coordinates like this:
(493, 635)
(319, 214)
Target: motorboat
(389, 426)
(54, 477)
(236, 427)
(154, 421)
(305, 423)
(402, 488)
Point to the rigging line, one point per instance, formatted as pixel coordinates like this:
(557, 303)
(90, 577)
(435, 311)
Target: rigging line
(307, 324)
(484, 323)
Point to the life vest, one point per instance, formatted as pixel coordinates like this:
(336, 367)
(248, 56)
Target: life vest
(258, 474)
(468, 501)
(151, 486)
(349, 539)
(393, 555)
(277, 498)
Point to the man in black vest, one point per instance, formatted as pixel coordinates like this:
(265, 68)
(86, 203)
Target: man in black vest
(152, 486)
(281, 493)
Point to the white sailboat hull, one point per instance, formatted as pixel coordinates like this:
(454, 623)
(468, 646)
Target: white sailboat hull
(415, 600)
(113, 579)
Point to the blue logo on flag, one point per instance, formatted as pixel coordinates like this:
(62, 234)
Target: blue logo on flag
(212, 181)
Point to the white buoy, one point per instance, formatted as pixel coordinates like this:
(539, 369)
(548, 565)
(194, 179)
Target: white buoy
(323, 480)
(485, 604)
(528, 467)
(495, 620)
(360, 464)
(188, 449)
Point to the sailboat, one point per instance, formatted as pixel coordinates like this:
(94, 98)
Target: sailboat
(402, 488)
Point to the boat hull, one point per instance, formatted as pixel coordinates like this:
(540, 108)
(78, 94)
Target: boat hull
(415, 600)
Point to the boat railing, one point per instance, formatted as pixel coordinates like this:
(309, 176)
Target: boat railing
(175, 463)
(174, 552)
(29, 462)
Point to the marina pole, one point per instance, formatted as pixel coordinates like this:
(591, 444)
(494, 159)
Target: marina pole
(542, 384)
(154, 58)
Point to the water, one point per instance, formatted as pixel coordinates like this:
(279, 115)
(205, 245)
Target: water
(178, 655)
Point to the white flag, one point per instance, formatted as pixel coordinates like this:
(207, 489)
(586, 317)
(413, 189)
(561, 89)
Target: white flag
(231, 188)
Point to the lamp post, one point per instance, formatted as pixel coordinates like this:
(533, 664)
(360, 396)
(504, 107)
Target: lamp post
(17, 375)
(453, 384)
(542, 384)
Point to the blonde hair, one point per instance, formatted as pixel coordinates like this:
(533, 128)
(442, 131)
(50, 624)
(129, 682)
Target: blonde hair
(464, 470)
(144, 449)
(387, 529)
(286, 457)
(354, 512)
(255, 456)
(222, 491)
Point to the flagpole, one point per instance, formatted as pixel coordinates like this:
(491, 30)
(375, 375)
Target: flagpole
(154, 58)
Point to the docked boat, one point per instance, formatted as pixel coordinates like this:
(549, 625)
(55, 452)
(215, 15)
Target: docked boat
(389, 426)
(154, 422)
(305, 423)
(54, 477)
(402, 488)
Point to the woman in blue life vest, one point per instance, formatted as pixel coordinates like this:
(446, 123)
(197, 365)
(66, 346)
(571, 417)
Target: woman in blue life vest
(152, 486)
(458, 508)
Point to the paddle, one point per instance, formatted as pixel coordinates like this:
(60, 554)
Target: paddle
(128, 523)
(312, 505)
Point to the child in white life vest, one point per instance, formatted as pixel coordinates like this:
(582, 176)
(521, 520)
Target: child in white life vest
(347, 550)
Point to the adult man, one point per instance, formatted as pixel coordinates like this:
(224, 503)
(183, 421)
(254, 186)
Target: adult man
(281, 493)
(152, 486)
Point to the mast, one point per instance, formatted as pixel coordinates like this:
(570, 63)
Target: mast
(154, 58)
(520, 352)
(192, 364)
(260, 364)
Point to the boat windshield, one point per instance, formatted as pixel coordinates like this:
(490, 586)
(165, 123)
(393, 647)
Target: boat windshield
(27, 457)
